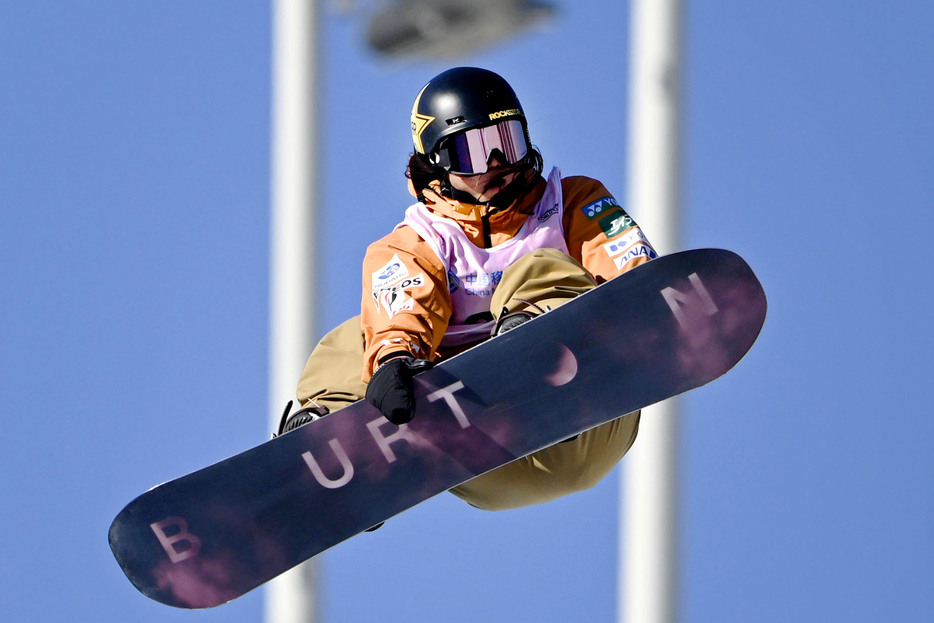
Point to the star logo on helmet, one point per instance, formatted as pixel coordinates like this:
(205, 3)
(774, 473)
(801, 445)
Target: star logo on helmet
(419, 123)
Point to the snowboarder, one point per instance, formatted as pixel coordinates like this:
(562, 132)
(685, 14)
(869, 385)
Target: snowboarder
(489, 244)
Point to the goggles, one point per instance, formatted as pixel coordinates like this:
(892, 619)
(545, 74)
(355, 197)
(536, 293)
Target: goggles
(468, 153)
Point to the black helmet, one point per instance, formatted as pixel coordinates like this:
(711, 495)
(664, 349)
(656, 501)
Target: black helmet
(461, 99)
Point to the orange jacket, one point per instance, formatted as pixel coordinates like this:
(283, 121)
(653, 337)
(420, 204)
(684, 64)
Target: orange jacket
(599, 234)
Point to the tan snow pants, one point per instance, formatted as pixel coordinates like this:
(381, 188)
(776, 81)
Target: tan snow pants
(543, 279)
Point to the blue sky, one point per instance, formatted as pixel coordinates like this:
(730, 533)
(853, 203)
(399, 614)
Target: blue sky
(134, 197)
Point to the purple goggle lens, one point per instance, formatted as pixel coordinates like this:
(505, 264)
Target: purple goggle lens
(468, 153)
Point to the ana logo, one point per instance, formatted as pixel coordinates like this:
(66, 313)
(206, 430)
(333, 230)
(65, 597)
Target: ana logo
(637, 250)
(618, 246)
(598, 207)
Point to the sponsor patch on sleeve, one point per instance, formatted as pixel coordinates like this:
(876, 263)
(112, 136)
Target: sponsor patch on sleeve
(391, 273)
(599, 207)
(615, 223)
(394, 298)
(636, 250)
(390, 285)
(621, 244)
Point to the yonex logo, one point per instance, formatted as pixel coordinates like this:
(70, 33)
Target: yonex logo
(598, 207)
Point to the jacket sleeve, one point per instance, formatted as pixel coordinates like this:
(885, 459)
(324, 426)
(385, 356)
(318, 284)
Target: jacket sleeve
(405, 305)
(600, 234)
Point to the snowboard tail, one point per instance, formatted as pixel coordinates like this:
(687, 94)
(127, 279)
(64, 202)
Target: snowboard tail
(661, 329)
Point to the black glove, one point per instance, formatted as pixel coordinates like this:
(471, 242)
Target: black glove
(390, 389)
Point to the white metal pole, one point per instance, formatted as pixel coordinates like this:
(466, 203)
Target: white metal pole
(293, 228)
(648, 534)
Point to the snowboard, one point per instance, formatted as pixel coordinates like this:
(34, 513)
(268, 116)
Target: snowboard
(663, 328)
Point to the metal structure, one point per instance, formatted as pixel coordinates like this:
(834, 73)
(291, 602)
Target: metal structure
(648, 531)
(291, 598)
